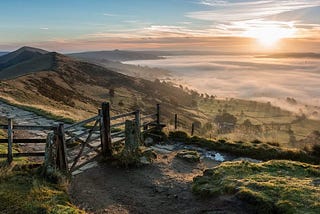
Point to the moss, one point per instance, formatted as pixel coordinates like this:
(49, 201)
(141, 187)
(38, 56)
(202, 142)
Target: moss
(178, 136)
(276, 186)
(22, 190)
(190, 156)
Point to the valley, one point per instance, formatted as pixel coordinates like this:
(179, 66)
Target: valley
(41, 87)
(58, 86)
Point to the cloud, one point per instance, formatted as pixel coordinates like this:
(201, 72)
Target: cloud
(226, 11)
(109, 14)
(44, 28)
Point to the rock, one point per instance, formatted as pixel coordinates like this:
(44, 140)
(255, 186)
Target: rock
(164, 149)
(148, 141)
(188, 155)
(144, 160)
(147, 155)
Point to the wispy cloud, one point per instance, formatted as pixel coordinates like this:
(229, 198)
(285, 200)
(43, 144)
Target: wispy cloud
(110, 14)
(44, 28)
(224, 11)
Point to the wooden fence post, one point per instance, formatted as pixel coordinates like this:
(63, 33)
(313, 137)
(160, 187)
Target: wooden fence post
(61, 159)
(192, 129)
(10, 140)
(158, 115)
(105, 130)
(137, 124)
(175, 122)
(131, 141)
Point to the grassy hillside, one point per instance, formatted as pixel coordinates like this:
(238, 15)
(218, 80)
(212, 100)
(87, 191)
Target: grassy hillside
(74, 89)
(269, 187)
(20, 55)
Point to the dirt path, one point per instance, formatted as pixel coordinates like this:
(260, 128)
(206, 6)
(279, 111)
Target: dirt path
(163, 187)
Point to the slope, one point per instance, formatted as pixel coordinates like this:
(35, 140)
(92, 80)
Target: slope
(75, 89)
(20, 55)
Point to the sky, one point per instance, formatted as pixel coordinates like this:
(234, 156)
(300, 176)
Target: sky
(222, 25)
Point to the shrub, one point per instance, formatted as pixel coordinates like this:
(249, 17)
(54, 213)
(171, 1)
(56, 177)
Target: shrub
(316, 150)
(178, 136)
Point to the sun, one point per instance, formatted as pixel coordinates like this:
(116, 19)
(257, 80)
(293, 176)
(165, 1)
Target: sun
(270, 35)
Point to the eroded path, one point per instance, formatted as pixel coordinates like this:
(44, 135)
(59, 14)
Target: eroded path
(162, 187)
(23, 117)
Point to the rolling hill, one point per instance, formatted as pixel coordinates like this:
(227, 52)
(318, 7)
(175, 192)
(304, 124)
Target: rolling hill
(63, 86)
(74, 89)
(20, 55)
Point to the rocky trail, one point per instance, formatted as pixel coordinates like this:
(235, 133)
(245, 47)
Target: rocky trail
(22, 117)
(162, 187)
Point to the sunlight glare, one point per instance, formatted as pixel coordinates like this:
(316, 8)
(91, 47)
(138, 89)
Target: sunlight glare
(269, 35)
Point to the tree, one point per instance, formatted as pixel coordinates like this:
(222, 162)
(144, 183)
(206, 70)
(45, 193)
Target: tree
(226, 122)
(225, 117)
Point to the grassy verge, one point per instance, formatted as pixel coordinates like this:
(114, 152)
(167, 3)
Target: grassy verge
(269, 187)
(22, 190)
(255, 149)
(40, 112)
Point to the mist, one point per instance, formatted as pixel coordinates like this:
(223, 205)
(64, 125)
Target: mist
(246, 76)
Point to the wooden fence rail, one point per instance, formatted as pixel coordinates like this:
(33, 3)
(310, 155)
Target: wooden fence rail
(61, 136)
(10, 140)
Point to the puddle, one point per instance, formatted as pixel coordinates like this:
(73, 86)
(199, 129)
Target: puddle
(209, 157)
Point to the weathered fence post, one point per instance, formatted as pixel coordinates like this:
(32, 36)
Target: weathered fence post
(192, 129)
(175, 122)
(132, 139)
(61, 160)
(137, 124)
(105, 130)
(10, 139)
(158, 115)
(49, 165)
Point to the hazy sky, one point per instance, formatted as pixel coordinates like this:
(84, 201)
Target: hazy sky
(75, 25)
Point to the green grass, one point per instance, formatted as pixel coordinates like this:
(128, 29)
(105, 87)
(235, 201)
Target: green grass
(23, 190)
(259, 115)
(269, 187)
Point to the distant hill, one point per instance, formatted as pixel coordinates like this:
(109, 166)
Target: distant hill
(19, 56)
(292, 55)
(36, 64)
(75, 89)
(115, 55)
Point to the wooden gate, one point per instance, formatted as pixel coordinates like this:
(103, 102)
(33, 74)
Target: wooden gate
(70, 147)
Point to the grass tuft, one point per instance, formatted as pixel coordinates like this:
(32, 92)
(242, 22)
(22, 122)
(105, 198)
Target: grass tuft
(22, 190)
(275, 186)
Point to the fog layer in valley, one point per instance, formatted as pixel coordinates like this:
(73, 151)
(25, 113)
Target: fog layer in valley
(247, 77)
